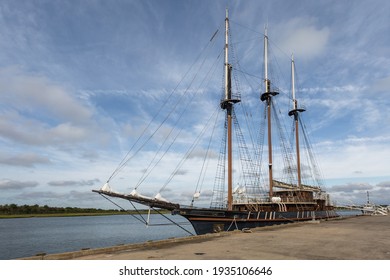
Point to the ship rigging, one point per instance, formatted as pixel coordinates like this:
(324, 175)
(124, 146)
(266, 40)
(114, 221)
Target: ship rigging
(268, 191)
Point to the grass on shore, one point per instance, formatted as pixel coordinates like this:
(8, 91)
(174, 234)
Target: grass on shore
(13, 216)
(105, 213)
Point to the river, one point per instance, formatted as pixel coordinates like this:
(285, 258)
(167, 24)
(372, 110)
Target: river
(24, 237)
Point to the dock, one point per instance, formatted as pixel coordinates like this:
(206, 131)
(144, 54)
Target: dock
(352, 238)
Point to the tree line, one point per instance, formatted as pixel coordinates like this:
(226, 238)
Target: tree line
(14, 209)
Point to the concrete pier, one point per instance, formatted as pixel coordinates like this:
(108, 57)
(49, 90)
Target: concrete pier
(354, 238)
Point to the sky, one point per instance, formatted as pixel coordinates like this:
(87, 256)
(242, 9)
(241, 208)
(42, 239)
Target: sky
(79, 80)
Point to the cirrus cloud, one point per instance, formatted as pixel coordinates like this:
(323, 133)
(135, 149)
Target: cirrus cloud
(303, 37)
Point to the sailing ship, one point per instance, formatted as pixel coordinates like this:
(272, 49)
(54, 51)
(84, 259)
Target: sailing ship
(370, 209)
(248, 205)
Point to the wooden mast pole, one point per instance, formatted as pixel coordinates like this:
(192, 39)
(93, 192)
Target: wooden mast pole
(229, 114)
(227, 104)
(295, 112)
(267, 97)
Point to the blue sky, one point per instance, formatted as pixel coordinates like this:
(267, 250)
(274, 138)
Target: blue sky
(79, 80)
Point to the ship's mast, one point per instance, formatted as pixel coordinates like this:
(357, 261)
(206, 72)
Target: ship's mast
(267, 98)
(227, 104)
(295, 112)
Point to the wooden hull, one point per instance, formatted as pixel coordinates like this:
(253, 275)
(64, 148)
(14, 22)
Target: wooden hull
(206, 220)
(210, 221)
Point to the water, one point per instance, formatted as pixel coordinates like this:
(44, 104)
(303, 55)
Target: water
(25, 237)
(30, 236)
(348, 212)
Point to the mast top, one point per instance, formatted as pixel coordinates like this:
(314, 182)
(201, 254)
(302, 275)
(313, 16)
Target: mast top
(267, 94)
(266, 57)
(293, 80)
(295, 111)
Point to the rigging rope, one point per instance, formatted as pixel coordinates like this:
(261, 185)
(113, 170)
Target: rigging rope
(217, 199)
(127, 157)
(143, 220)
(285, 148)
(148, 170)
(315, 170)
(202, 173)
(131, 214)
(190, 150)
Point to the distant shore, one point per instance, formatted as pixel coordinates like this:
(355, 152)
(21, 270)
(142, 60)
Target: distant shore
(12, 211)
(15, 216)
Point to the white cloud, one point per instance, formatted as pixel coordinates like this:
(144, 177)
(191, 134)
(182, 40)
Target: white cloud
(38, 112)
(354, 192)
(17, 128)
(383, 85)
(362, 108)
(69, 132)
(24, 159)
(15, 185)
(30, 93)
(352, 187)
(70, 183)
(302, 36)
(341, 159)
